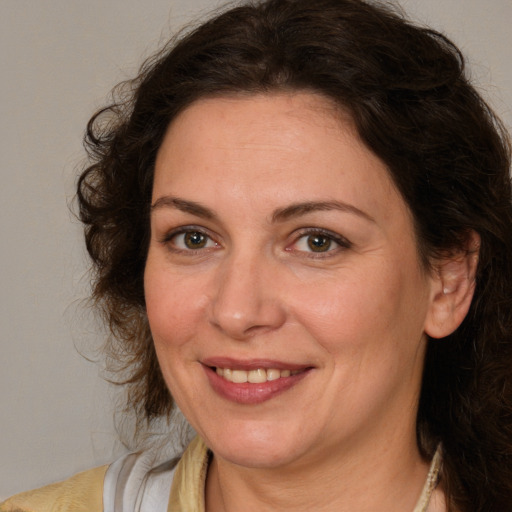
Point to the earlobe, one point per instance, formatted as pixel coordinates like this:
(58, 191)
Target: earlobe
(453, 286)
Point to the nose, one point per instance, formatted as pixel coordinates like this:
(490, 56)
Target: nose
(246, 301)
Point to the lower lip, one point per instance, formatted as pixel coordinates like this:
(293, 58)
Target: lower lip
(248, 393)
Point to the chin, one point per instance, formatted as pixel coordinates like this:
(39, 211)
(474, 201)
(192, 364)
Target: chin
(256, 446)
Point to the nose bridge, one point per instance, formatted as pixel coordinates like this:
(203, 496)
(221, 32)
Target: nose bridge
(246, 299)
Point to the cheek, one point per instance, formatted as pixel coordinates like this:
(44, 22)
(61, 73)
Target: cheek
(174, 313)
(375, 308)
(174, 307)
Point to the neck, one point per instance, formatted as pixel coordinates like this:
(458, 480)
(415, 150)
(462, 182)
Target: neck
(388, 479)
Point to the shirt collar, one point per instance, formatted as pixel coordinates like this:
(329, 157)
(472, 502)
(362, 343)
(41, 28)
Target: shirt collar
(188, 486)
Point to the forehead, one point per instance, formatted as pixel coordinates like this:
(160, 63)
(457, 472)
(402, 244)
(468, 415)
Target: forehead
(261, 122)
(269, 149)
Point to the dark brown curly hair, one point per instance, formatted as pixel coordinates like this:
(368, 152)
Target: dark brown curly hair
(406, 90)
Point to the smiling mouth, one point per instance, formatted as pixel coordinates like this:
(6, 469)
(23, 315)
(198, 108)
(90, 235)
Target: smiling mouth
(256, 376)
(252, 382)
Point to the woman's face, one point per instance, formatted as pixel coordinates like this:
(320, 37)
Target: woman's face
(282, 254)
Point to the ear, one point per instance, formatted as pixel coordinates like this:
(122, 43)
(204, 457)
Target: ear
(453, 286)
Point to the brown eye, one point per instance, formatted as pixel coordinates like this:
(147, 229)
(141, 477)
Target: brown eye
(195, 239)
(189, 240)
(319, 243)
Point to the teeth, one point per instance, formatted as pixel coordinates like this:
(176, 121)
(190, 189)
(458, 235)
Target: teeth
(254, 376)
(239, 376)
(273, 374)
(257, 376)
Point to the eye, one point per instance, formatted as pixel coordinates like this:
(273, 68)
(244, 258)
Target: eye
(320, 242)
(316, 243)
(190, 240)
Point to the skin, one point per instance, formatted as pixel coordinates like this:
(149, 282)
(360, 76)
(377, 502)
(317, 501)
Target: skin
(355, 315)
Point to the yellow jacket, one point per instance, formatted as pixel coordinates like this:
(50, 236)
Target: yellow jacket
(81, 493)
(84, 491)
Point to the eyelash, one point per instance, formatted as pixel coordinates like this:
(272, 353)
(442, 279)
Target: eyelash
(341, 242)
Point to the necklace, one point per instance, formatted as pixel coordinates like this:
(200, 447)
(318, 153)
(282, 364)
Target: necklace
(430, 483)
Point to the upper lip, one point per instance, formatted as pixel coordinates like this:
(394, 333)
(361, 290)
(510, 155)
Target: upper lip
(251, 364)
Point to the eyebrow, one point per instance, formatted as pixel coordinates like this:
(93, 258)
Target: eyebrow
(279, 215)
(298, 209)
(183, 205)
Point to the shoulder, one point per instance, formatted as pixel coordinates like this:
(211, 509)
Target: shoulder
(80, 493)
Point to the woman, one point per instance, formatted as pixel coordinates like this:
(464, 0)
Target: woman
(300, 223)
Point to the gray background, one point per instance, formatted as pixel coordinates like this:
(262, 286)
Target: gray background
(59, 60)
